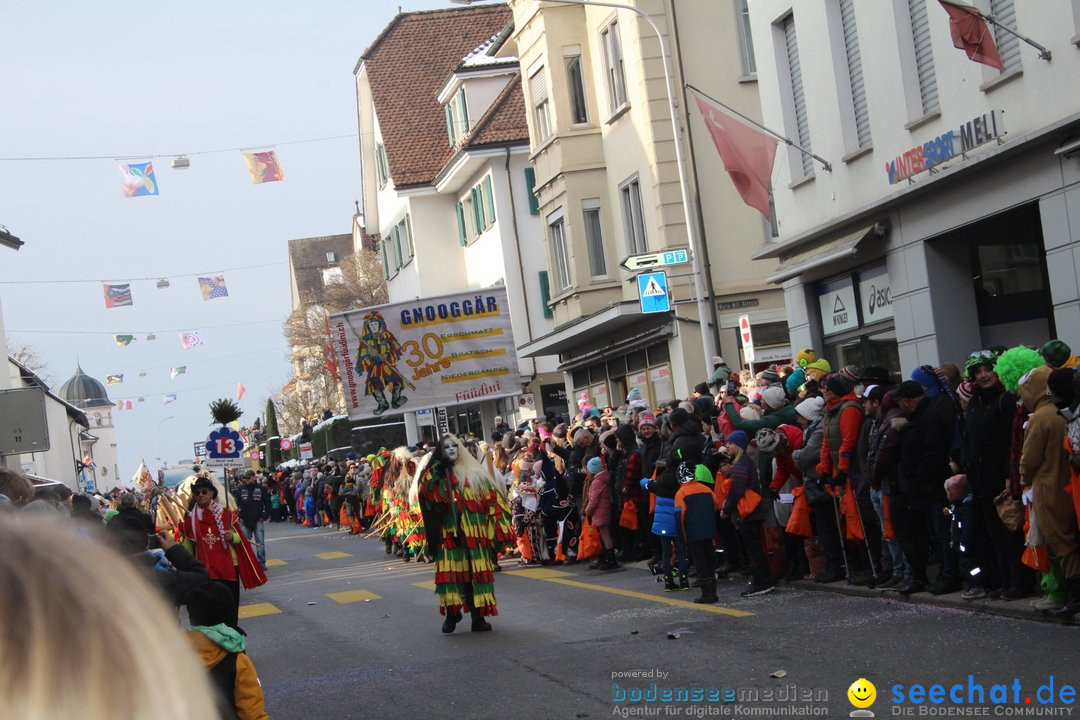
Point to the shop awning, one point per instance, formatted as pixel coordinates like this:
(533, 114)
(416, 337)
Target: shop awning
(838, 249)
(610, 322)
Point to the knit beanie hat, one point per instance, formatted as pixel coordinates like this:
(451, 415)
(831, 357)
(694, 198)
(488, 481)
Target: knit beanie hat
(705, 406)
(852, 373)
(811, 408)
(595, 465)
(739, 438)
(924, 375)
(559, 430)
(677, 417)
(701, 389)
(821, 365)
(966, 390)
(773, 397)
(795, 380)
(839, 384)
(876, 374)
(1060, 384)
(717, 360)
(646, 418)
(703, 475)
(1056, 353)
(910, 389)
(770, 375)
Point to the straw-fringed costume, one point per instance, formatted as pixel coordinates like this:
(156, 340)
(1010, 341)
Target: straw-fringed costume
(466, 520)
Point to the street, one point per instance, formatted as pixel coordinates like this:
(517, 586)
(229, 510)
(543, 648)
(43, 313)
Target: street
(344, 630)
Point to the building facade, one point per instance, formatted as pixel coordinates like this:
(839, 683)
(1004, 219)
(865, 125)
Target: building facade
(98, 441)
(950, 218)
(446, 178)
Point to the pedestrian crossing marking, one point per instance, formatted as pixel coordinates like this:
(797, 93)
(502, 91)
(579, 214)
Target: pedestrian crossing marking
(542, 573)
(275, 563)
(335, 555)
(426, 585)
(351, 596)
(653, 289)
(257, 609)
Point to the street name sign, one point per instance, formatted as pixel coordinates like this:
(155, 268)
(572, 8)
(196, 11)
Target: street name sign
(652, 291)
(663, 258)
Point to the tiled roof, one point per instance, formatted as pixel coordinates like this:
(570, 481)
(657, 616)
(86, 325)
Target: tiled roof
(504, 121)
(308, 258)
(406, 66)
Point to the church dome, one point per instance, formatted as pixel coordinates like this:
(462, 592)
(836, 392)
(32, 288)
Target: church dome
(84, 392)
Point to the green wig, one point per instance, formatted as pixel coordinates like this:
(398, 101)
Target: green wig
(1014, 364)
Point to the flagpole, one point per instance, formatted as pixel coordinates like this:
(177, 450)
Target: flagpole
(1044, 54)
(824, 163)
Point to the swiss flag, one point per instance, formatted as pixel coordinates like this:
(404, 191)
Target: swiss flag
(747, 154)
(970, 34)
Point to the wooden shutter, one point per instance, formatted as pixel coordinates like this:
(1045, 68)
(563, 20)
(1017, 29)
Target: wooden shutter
(798, 96)
(545, 293)
(924, 54)
(489, 201)
(1008, 45)
(855, 73)
(530, 188)
(463, 234)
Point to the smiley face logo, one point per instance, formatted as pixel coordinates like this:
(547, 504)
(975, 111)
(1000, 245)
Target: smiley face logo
(862, 693)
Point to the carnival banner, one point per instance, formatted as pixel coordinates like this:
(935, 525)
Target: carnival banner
(426, 353)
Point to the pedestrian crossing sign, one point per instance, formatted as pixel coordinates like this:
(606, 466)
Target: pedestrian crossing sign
(653, 292)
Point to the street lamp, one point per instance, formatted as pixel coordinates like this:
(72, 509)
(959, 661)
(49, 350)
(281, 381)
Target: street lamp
(157, 439)
(704, 312)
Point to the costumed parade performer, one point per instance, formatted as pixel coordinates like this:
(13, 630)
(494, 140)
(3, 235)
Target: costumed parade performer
(378, 352)
(466, 519)
(212, 534)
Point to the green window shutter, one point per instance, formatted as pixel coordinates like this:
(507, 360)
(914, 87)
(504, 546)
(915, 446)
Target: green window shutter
(530, 187)
(463, 235)
(385, 260)
(408, 233)
(545, 294)
(489, 201)
(478, 209)
(464, 110)
(449, 111)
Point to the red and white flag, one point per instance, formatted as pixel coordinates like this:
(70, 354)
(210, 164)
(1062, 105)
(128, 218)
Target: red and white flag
(971, 34)
(240, 390)
(747, 154)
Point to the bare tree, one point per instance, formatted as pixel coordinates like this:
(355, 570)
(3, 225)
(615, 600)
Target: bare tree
(29, 357)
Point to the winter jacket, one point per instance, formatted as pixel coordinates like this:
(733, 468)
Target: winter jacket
(252, 504)
(771, 419)
(842, 420)
(785, 463)
(664, 517)
(696, 506)
(598, 502)
(989, 433)
(743, 477)
(213, 644)
(883, 456)
(686, 446)
(1043, 462)
(924, 454)
(650, 452)
(629, 475)
(807, 457)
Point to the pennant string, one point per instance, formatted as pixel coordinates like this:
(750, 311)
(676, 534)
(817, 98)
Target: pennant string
(155, 277)
(143, 156)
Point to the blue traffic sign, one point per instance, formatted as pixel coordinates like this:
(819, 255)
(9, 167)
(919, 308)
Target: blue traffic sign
(224, 443)
(653, 292)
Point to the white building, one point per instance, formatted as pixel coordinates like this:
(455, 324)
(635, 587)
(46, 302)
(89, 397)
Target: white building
(950, 220)
(99, 440)
(66, 425)
(446, 177)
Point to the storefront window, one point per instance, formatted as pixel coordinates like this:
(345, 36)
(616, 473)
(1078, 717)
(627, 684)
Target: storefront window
(857, 319)
(661, 382)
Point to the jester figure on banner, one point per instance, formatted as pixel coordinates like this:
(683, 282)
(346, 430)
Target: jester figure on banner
(378, 351)
(212, 534)
(466, 521)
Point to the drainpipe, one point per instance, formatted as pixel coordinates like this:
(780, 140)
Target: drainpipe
(517, 248)
(705, 265)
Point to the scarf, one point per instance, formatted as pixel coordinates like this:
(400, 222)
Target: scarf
(218, 514)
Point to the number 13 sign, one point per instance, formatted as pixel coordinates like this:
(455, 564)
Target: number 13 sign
(224, 443)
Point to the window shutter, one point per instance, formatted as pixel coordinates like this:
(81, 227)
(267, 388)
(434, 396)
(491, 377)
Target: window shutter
(924, 54)
(798, 96)
(1008, 45)
(463, 236)
(538, 87)
(448, 110)
(408, 234)
(489, 201)
(855, 73)
(545, 294)
(477, 209)
(530, 188)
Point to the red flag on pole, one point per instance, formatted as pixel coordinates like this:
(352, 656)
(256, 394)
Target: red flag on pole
(240, 390)
(747, 154)
(971, 34)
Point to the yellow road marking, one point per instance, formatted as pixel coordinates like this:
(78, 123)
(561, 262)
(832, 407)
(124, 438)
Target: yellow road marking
(333, 555)
(275, 563)
(561, 577)
(257, 609)
(351, 596)
(426, 585)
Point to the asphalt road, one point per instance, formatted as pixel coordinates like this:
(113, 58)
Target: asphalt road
(343, 630)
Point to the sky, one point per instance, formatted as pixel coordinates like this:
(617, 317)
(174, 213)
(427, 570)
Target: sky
(135, 81)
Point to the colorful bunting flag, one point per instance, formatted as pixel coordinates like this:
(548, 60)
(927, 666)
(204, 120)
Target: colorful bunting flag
(123, 340)
(117, 295)
(240, 390)
(190, 339)
(142, 399)
(263, 167)
(178, 370)
(213, 287)
(151, 336)
(114, 379)
(142, 373)
(138, 179)
(168, 398)
(123, 405)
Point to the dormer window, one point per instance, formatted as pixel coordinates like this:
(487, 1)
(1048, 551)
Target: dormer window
(457, 116)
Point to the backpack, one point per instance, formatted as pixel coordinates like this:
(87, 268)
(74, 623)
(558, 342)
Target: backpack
(223, 679)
